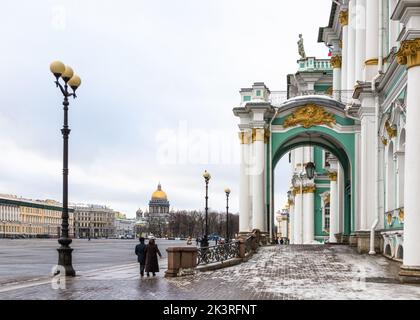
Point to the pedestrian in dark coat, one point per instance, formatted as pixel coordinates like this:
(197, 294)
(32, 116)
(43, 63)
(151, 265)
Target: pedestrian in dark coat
(152, 251)
(141, 255)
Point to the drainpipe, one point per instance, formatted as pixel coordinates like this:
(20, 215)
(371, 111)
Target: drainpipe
(271, 175)
(377, 115)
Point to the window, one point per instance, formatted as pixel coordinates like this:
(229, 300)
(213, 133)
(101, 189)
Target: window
(258, 93)
(247, 98)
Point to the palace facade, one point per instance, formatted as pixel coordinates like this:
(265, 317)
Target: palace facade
(349, 128)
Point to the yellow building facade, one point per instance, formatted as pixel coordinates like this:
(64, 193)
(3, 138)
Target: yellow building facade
(31, 218)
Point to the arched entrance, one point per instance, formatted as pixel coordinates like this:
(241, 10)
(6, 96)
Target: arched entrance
(268, 133)
(322, 122)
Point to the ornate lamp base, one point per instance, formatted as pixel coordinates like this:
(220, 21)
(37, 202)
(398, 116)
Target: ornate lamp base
(65, 261)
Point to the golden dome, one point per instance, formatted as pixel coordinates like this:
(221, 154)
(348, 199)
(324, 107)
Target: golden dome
(159, 194)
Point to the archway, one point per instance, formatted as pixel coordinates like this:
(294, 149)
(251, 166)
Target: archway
(300, 122)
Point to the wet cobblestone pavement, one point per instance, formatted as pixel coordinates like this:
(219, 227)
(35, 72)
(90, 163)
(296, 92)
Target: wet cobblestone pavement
(280, 272)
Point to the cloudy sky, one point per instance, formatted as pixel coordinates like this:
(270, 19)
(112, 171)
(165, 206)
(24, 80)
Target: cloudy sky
(159, 81)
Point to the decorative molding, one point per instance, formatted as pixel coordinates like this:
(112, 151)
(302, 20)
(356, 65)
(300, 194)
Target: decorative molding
(372, 62)
(344, 18)
(308, 116)
(336, 62)
(409, 53)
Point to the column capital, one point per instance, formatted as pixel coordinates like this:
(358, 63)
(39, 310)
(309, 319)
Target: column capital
(260, 134)
(344, 17)
(332, 175)
(336, 62)
(244, 137)
(309, 189)
(409, 53)
(372, 62)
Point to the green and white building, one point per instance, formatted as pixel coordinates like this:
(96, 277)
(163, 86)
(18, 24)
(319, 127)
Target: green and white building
(353, 116)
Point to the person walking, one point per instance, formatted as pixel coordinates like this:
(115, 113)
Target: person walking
(141, 255)
(152, 251)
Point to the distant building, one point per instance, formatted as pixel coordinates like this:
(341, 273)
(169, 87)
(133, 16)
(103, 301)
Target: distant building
(159, 204)
(124, 227)
(93, 221)
(31, 218)
(158, 216)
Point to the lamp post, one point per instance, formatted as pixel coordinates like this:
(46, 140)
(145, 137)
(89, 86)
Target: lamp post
(205, 241)
(227, 191)
(72, 80)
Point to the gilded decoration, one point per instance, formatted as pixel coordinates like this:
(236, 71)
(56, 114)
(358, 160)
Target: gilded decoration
(389, 218)
(371, 62)
(384, 141)
(308, 116)
(244, 137)
(305, 189)
(344, 18)
(266, 136)
(401, 216)
(332, 175)
(409, 53)
(391, 131)
(326, 199)
(258, 134)
(336, 62)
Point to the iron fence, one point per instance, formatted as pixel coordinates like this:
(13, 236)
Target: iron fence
(218, 253)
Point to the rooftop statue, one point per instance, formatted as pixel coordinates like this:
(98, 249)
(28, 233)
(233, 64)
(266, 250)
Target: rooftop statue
(301, 47)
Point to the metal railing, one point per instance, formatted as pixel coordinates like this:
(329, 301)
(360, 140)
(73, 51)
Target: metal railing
(248, 245)
(218, 253)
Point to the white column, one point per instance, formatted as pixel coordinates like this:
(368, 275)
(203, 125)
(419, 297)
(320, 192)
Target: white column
(372, 42)
(244, 177)
(351, 46)
(336, 64)
(308, 215)
(344, 22)
(291, 223)
(297, 227)
(410, 54)
(368, 165)
(340, 183)
(360, 37)
(334, 212)
(258, 212)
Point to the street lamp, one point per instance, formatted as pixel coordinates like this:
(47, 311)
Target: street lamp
(205, 241)
(227, 191)
(72, 80)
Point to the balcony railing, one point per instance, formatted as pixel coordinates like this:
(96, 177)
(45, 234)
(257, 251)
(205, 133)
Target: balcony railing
(394, 218)
(277, 98)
